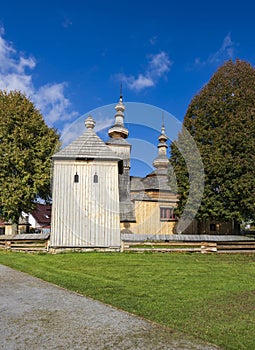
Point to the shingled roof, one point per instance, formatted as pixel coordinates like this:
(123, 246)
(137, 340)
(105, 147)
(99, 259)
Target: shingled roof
(42, 214)
(157, 180)
(88, 146)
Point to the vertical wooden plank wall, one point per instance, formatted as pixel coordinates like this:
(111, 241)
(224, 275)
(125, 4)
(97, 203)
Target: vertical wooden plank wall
(85, 214)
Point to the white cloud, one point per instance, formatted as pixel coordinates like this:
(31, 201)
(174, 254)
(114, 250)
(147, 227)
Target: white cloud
(25, 62)
(50, 98)
(137, 84)
(104, 122)
(225, 52)
(14, 75)
(15, 81)
(158, 66)
(153, 40)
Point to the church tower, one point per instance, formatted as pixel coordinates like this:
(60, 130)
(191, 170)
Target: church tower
(161, 162)
(118, 143)
(85, 203)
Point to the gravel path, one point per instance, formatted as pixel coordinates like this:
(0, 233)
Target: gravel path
(38, 315)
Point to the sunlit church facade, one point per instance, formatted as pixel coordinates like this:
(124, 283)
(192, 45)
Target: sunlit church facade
(96, 201)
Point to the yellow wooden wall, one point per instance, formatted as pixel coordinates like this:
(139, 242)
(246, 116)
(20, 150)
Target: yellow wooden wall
(148, 219)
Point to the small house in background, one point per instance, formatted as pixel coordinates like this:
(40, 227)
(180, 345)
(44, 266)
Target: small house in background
(9, 229)
(38, 221)
(40, 218)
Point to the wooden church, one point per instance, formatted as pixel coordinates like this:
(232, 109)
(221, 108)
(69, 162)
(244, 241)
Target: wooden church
(94, 198)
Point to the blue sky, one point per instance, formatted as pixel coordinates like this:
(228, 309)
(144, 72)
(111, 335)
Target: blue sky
(70, 56)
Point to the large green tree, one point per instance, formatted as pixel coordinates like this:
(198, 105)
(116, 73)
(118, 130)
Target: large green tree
(221, 119)
(26, 147)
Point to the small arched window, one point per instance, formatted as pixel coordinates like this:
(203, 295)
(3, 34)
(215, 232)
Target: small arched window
(76, 178)
(95, 178)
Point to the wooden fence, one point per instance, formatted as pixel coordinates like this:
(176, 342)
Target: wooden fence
(40, 243)
(28, 243)
(190, 247)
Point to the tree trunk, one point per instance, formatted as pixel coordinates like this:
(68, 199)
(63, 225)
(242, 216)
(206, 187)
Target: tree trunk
(236, 228)
(201, 227)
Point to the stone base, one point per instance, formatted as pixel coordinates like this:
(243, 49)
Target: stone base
(56, 250)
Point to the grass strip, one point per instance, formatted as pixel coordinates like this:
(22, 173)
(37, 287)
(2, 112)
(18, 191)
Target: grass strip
(211, 297)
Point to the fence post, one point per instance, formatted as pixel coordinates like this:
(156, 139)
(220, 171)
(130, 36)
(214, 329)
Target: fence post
(7, 245)
(208, 247)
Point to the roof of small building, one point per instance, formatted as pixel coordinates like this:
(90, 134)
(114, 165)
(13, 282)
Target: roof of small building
(42, 214)
(23, 220)
(88, 146)
(156, 180)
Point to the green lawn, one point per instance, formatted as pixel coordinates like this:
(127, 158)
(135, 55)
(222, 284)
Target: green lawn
(210, 296)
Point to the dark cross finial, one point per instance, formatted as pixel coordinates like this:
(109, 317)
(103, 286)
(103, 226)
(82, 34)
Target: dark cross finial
(163, 124)
(163, 120)
(121, 96)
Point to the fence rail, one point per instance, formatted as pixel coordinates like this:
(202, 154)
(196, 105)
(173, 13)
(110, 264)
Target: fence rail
(191, 247)
(28, 245)
(35, 243)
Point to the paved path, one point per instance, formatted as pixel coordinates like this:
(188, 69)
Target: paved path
(38, 315)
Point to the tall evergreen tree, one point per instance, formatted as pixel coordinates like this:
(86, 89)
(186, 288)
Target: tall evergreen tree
(26, 147)
(221, 119)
